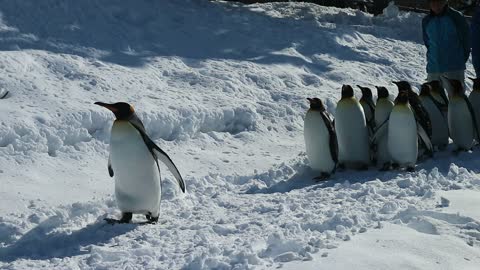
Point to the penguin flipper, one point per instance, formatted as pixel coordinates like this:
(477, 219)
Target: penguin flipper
(380, 132)
(163, 157)
(472, 113)
(110, 169)
(332, 136)
(157, 153)
(422, 134)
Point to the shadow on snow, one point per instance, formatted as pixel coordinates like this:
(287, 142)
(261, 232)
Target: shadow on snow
(43, 242)
(442, 161)
(130, 34)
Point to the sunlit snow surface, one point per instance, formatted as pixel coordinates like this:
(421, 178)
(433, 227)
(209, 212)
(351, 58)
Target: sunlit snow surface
(222, 88)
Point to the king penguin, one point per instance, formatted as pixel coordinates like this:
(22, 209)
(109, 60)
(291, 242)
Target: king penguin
(474, 99)
(320, 139)
(133, 162)
(382, 113)
(402, 134)
(352, 132)
(461, 118)
(439, 121)
(424, 128)
(368, 108)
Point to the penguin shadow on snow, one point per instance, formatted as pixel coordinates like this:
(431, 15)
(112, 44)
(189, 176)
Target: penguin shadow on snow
(442, 161)
(44, 242)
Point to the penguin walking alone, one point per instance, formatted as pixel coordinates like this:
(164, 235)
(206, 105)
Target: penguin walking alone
(462, 122)
(352, 132)
(439, 121)
(402, 134)
(133, 162)
(320, 139)
(424, 128)
(474, 99)
(382, 113)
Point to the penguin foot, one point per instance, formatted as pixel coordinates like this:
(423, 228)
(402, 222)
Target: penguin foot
(410, 169)
(151, 219)
(395, 166)
(322, 177)
(126, 218)
(341, 166)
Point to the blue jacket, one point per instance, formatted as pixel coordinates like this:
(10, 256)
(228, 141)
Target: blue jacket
(447, 37)
(476, 41)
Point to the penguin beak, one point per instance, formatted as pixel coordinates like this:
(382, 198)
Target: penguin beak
(396, 83)
(108, 106)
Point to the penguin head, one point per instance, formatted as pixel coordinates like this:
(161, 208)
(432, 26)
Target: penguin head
(316, 104)
(347, 91)
(435, 86)
(425, 90)
(382, 92)
(366, 92)
(402, 98)
(476, 84)
(403, 86)
(122, 110)
(457, 87)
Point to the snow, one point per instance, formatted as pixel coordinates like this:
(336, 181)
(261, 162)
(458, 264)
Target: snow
(222, 88)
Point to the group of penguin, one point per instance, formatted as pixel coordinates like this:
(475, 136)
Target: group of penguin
(390, 134)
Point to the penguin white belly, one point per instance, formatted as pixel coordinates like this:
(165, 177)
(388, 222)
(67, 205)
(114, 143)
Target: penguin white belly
(317, 143)
(439, 123)
(382, 112)
(352, 134)
(460, 123)
(402, 136)
(475, 101)
(137, 179)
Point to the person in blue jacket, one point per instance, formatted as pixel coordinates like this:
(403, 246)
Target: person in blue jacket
(447, 37)
(476, 40)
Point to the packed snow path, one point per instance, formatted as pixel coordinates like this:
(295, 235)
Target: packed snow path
(222, 88)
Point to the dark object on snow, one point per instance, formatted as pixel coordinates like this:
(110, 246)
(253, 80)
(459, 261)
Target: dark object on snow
(4, 95)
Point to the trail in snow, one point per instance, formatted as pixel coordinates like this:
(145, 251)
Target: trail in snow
(221, 87)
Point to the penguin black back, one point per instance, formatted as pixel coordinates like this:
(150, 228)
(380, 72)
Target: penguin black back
(421, 113)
